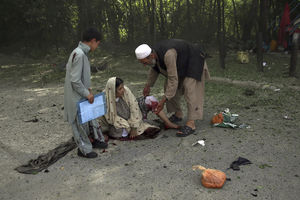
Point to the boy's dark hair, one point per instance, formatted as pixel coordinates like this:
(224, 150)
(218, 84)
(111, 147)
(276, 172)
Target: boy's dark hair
(90, 34)
(118, 82)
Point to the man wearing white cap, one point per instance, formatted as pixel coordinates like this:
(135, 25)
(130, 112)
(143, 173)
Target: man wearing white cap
(183, 64)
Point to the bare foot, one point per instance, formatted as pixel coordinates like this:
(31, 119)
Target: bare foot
(171, 125)
(191, 124)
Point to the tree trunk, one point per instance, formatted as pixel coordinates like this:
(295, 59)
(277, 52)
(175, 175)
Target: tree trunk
(162, 18)
(221, 32)
(236, 25)
(249, 22)
(113, 22)
(259, 52)
(188, 31)
(82, 17)
(130, 22)
(259, 37)
(294, 55)
(151, 15)
(263, 19)
(211, 25)
(153, 29)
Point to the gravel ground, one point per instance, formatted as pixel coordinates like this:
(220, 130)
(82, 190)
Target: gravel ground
(151, 169)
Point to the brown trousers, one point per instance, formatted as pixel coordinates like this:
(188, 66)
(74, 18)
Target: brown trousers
(193, 92)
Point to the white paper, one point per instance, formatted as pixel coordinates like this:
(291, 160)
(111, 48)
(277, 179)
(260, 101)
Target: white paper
(92, 111)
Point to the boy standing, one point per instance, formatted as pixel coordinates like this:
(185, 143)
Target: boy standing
(77, 86)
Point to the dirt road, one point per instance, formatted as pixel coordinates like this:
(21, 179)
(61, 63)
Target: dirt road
(153, 169)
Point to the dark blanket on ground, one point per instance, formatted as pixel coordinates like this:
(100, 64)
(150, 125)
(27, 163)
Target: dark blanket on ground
(45, 160)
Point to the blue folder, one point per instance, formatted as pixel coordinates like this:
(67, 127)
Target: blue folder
(88, 112)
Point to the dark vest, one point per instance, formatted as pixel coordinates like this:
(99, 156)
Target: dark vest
(190, 58)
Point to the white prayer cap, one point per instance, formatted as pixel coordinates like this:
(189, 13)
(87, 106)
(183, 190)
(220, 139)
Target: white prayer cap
(142, 51)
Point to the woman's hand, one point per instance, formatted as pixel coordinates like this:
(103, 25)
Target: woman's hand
(133, 133)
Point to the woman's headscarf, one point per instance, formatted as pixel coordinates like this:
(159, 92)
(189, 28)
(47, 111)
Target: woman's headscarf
(135, 120)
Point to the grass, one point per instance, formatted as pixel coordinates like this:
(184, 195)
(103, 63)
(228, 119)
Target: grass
(276, 70)
(218, 95)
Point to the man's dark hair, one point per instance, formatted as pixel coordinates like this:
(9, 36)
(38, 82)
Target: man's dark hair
(118, 82)
(90, 34)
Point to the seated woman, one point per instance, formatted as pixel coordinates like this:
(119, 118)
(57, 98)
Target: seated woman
(124, 117)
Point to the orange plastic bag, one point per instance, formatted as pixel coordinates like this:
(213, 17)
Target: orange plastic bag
(217, 119)
(211, 178)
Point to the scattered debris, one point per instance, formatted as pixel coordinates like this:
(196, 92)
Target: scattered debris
(264, 64)
(243, 125)
(32, 120)
(264, 166)
(271, 88)
(287, 117)
(45, 160)
(240, 161)
(211, 178)
(253, 194)
(224, 119)
(249, 92)
(243, 57)
(201, 142)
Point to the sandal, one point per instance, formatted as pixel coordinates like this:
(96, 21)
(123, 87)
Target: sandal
(174, 119)
(185, 131)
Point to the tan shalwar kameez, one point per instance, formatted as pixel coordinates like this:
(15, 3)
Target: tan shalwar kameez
(190, 88)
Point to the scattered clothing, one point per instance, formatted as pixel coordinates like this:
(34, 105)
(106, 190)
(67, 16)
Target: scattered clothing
(225, 119)
(240, 161)
(45, 160)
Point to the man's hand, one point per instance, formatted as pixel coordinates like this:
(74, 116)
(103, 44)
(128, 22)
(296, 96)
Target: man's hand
(160, 105)
(133, 133)
(146, 91)
(90, 97)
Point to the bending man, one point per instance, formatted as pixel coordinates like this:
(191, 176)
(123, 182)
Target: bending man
(183, 64)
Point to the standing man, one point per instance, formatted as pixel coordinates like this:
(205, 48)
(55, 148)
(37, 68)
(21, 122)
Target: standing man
(183, 64)
(77, 86)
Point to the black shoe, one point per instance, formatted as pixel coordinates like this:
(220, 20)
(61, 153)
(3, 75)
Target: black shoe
(99, 145)
(88, 155)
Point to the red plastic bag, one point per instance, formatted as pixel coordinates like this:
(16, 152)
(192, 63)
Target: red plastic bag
(211, 178)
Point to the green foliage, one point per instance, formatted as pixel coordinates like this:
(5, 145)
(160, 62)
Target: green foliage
(36, 27)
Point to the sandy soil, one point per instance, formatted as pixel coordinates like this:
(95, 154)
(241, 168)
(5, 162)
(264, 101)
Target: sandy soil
(150, 169)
